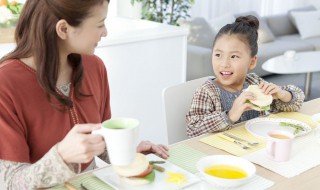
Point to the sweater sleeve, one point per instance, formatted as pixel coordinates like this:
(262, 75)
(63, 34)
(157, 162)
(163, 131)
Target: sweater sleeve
(49, 171)
(295, 103)
(278, 105)
(206, 114)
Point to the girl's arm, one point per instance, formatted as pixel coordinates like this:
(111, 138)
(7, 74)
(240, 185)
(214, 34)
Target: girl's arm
(206, 114)
(294, 104)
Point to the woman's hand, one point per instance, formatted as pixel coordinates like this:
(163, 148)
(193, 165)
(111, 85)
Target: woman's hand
(80, 146)
(146, 147)
(240, 105)
(275, 91)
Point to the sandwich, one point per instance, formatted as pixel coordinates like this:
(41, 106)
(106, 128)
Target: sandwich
(262, 101)
(139, 172)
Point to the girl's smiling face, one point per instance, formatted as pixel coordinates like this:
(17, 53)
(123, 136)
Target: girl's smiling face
(231, 61)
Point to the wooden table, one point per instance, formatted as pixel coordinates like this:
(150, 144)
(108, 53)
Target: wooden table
(308, 180)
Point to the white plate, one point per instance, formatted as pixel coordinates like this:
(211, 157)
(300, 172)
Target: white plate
(108, 176)
(259, 127)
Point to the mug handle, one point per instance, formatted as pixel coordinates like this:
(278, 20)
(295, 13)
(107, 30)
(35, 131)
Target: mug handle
(271, 149)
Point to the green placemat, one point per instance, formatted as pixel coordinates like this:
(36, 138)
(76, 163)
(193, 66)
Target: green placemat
(89, 181)
(185, 157)
(181, 155)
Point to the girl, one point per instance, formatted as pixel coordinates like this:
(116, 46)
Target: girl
(53, 90)
(221, 102)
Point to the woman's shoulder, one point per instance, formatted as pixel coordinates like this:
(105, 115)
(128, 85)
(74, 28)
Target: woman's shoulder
(9, 64)
(11, 67)
(92, 62)
(89, 59)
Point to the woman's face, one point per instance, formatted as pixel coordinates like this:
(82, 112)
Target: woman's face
(84, 38)
(231, 60)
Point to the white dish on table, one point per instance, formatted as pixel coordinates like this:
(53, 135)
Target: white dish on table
(108, 176)
(229, 160)
(260, 127)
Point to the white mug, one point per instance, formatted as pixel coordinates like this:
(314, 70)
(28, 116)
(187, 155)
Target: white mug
(121, 136)
(279, 144)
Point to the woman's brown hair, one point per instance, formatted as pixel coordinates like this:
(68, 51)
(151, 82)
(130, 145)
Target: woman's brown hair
(36, 36)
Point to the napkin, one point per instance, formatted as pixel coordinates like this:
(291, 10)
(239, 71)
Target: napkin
(256, 183)
(304, 156)
(240, 131)
(296, 116)
(185, 157)
(89, 181)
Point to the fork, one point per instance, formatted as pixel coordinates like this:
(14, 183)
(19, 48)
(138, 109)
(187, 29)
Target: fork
(233, 140)
(240, 139)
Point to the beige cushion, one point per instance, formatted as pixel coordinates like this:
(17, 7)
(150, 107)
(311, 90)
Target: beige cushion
(308, 23)
(264, 32)
(300, 9)
(200, 33)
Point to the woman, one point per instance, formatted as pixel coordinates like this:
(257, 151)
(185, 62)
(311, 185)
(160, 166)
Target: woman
(53, 90)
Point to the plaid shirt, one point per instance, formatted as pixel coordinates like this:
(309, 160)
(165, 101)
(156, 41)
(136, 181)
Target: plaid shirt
(206, 114)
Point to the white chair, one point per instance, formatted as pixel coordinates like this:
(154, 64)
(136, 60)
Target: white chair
(176, 102)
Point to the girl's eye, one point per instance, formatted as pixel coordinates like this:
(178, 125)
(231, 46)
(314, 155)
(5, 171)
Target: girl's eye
(217, 55)
(234, 56)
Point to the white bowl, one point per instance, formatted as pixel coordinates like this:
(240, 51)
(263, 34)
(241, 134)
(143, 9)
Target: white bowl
(242, 163)
(316, 118)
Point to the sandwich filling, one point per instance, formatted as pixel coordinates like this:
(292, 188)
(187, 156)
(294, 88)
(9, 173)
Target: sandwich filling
(139, 172)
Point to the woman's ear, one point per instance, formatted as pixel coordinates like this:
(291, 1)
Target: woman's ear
(253, 63)
(62, 29)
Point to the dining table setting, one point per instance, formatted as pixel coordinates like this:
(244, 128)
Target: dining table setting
(283, 149)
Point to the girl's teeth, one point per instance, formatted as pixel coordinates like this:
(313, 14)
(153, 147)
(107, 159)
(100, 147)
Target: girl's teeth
(226, 73)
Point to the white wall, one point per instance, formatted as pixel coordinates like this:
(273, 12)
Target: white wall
(210, 9)
(143, 58)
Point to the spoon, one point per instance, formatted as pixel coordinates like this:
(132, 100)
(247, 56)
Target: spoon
(240, 139)
(233, 140)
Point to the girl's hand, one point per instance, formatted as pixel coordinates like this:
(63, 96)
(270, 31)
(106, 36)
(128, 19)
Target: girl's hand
(146, 147)
(80, 146)
(240, 105)
(275, 91)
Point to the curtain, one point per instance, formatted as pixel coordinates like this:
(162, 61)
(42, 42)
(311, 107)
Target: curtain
(210, 9)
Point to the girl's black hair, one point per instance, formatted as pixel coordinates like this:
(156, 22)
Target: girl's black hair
(246, 27)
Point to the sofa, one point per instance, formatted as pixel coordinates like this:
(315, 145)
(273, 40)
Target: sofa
(298, 30)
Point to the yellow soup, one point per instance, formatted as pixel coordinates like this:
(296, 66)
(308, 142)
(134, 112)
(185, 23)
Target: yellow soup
(226, 171)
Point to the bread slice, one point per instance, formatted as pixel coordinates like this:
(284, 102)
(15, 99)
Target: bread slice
(139, 165)
(262, 101)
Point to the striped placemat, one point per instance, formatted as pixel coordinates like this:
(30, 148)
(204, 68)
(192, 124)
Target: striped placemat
(185, 157)
(232, 148)
(89, 181)
(180, 155)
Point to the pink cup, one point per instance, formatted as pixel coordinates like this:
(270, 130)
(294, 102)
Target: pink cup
(279, 145)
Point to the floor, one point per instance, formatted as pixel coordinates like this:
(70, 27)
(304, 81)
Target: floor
(298, 80)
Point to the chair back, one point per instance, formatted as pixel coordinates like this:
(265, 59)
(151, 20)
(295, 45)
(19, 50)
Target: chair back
(176, 102)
